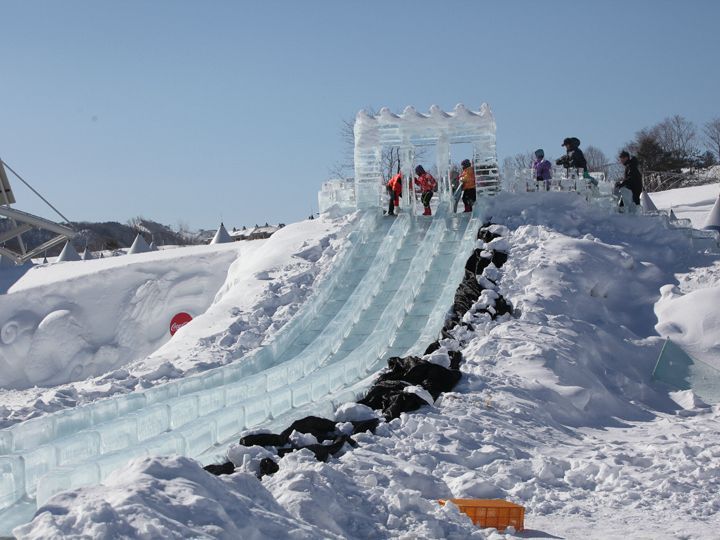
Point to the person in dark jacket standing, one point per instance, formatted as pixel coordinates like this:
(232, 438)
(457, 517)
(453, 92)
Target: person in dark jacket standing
(632, 179)
(574, 157)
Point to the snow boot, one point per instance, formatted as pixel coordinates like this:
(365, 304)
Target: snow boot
(427, 211)
(468, 208)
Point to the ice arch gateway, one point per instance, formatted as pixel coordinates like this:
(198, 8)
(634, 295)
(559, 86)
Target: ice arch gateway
(410, 130)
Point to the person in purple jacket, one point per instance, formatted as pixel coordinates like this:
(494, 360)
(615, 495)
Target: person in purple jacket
(542, 169)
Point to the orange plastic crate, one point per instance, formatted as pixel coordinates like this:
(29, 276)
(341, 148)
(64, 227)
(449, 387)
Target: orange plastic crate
(492, 512)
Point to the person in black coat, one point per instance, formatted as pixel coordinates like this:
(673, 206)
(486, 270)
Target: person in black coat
(632, 179)
(574, 157)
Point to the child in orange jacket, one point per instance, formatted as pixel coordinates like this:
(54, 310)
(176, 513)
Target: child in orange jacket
(467, 178)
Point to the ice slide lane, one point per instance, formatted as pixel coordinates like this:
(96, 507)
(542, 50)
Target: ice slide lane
(375, 302)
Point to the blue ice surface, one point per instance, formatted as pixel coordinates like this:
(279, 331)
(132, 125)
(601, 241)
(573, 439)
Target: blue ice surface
(681, 371)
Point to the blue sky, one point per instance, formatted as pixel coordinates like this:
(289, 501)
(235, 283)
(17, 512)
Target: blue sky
(195, 112)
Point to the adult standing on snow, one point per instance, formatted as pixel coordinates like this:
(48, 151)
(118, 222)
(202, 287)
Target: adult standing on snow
(427, 185)
(542, 169)
(574, 157)
(630, 187)
(394, 187)
(467, 179)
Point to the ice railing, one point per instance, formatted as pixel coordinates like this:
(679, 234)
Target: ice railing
(336, 192)
(27, 447)
(203, 419)
(563, 180)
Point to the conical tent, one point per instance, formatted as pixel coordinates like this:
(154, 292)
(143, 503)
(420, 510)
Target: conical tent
(221, 236)
(87, 255)
(68, 253)
(152, 246)
(712, 223)
(672, 214)
(646, 203)
(139, 246)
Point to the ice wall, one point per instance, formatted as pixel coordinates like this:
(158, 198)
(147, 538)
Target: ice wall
(411, 128)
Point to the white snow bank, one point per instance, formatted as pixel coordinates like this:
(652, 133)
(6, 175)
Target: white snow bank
(168, 498)
(105, 313)
(692, 321)
(693, 203)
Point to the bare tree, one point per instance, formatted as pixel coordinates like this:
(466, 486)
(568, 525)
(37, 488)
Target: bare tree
(711, 131)
(677, 136)
(344, 169)
(519, 161)
(512, 170)
(597, 161)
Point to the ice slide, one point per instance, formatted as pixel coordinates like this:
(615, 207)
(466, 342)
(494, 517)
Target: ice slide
(388, 295)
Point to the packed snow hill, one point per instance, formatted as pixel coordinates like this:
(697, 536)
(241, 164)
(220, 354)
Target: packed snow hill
(555, 409)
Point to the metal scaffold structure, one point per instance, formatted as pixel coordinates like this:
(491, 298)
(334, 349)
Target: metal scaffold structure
(12, 244)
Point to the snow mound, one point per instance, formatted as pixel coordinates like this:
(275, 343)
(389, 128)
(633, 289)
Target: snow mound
(167, 498)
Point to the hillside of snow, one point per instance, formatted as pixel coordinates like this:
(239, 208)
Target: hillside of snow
(556, 409)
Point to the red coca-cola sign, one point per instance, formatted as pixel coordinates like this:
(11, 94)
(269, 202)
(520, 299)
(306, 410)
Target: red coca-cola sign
(178, 321)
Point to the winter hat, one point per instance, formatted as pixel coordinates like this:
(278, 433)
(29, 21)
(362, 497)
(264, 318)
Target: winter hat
(624, 154)
(419, 170)
(539, 153)
(465, 163)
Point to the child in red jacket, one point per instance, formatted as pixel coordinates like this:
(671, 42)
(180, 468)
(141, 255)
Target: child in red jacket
(394, 188)
(427, 186)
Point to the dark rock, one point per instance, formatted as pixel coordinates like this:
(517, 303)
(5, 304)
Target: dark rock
(220, 469)
(365, 425)
(499, 258)
(264, 439)
(267, 467)
(321, 428)
(434, 346)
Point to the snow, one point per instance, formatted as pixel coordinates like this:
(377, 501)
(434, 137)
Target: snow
(169, 498)
(556, 409)
(693, 203)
